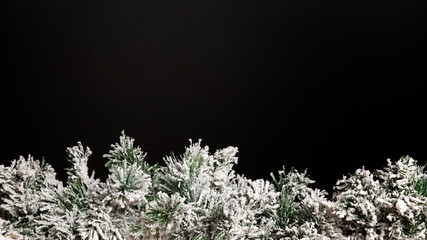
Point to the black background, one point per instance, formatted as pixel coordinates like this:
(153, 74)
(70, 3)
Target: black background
(325, 85)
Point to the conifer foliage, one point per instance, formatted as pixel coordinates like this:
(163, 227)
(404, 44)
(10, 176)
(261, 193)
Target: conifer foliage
(199, 196)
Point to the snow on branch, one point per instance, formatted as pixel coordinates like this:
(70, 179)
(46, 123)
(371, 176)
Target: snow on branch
(197, 195)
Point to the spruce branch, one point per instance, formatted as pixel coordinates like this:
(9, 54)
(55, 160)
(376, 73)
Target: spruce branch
(125, 151)
(80, 185)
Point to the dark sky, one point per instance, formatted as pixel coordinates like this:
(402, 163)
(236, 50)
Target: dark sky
(324, 85)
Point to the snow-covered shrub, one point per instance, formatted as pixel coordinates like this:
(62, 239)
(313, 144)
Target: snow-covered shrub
(198, 196)
(27, 193)
(387, 204)
(303, 212)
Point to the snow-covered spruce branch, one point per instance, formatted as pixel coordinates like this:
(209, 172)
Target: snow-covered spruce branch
(198, 196)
